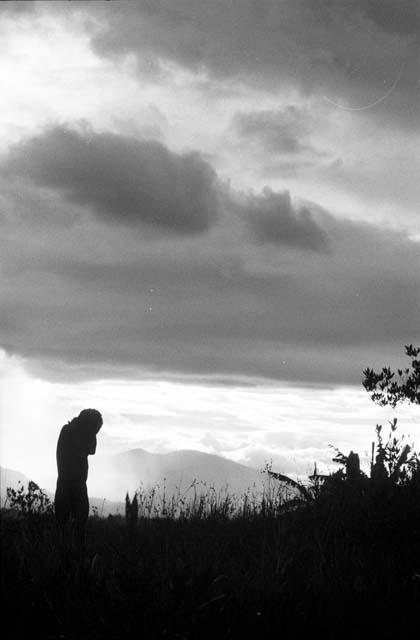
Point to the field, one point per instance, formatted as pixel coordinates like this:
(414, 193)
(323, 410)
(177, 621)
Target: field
(345, 563)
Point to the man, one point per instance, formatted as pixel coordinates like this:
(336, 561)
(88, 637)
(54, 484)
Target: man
(77, 440)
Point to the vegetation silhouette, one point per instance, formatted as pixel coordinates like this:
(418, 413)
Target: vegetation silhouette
(394, 462)
(390, 387)
(31, 502)
(341, 559)
(77, 440)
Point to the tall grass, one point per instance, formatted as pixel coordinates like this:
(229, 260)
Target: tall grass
(344, 563)
(201, 500)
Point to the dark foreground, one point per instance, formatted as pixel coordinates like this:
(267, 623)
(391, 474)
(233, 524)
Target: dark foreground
(336, 567)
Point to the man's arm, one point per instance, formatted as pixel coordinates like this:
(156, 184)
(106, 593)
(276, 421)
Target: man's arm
(91, 444)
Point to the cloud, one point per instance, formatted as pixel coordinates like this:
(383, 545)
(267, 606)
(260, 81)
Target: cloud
(135, 182)
(281, 132)
(273, 219)
(393, 16)
(344, 157)
(18, 8)
(97, 298)
(355, 54)
(122, 179)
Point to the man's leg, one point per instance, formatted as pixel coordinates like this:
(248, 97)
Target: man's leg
(81, 513)
(62, 505)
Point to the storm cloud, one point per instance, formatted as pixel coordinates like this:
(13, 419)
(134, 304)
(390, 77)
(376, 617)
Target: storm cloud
(352, 53)
(121, 253)
(122, 179)
(273, 219)
(214, 304)
(134, 182)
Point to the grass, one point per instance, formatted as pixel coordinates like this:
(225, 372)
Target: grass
(344, 564)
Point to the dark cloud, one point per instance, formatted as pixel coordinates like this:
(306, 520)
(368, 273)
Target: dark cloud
(122, 179)
(393, 16)
(273, 219)
(274, 289)
(104, 299)
(128, 181)
(356, 53)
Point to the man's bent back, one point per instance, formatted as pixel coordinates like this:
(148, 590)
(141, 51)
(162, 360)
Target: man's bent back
(77, 440)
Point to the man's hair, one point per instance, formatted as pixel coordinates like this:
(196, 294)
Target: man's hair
(90, 417)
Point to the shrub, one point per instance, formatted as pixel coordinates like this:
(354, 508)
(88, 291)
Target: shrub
(30, 501)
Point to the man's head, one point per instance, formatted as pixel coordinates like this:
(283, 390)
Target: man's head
(90, 418)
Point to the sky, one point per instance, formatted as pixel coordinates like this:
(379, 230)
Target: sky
(209, 224)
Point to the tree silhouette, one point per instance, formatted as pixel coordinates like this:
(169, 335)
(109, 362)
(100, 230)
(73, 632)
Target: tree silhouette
(390, 387)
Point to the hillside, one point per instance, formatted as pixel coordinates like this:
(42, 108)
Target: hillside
(111, 477)
(177, 470)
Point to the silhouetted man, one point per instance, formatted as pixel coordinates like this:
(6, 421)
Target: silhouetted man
(77, 440)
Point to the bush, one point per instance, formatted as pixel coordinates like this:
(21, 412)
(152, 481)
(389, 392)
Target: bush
(30, 501)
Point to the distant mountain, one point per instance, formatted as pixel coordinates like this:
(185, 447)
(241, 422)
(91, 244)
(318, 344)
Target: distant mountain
(111, 477)
(177, 470)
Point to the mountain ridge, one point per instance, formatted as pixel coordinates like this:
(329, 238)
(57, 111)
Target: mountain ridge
(135, 468)
(175, 472)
